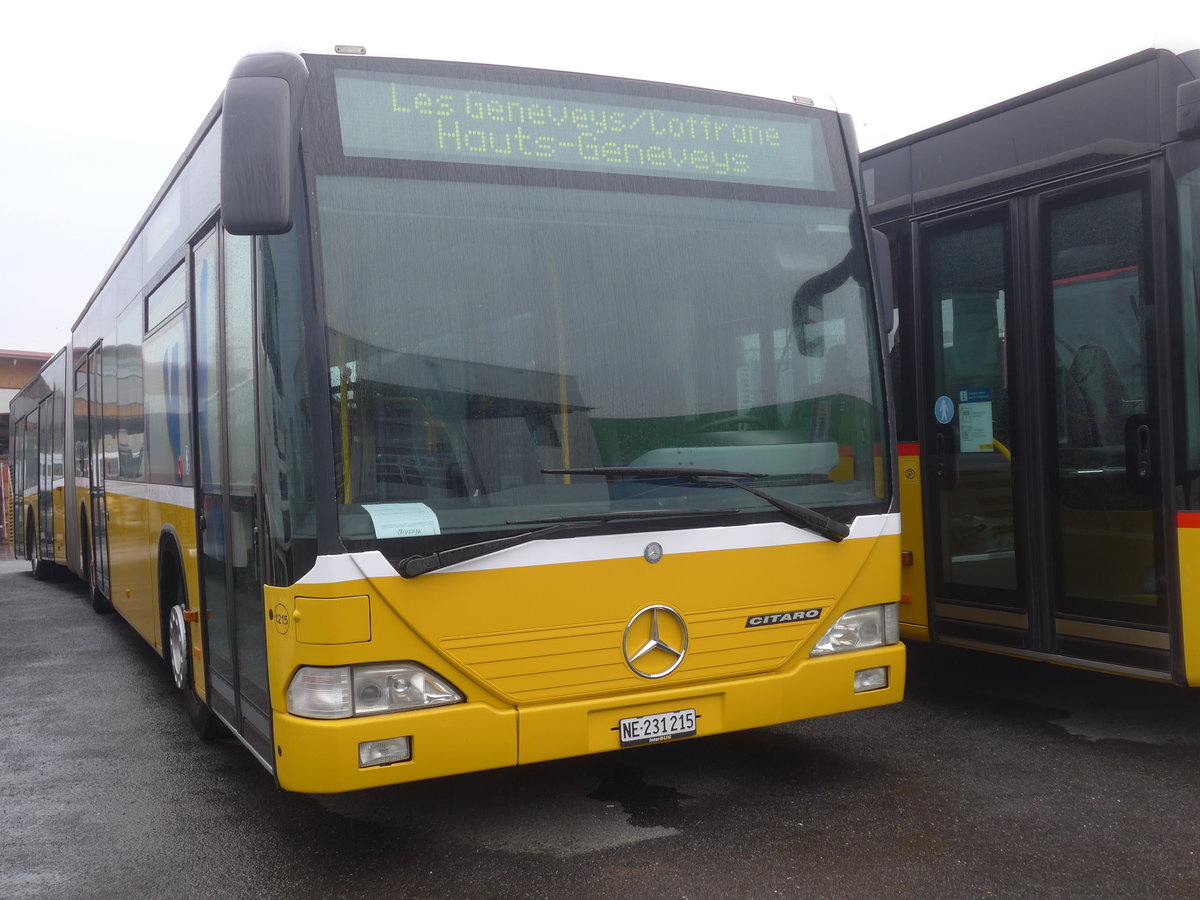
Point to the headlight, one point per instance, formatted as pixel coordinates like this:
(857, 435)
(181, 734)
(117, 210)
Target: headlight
(341, 692)
(859, 629)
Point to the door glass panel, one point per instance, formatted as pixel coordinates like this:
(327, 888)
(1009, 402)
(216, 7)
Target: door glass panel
(210, 464)
(1106, 471)
(29, 487)
(239, 395)
(98, 441)
(1189, 280)
(45, 443)
(968, 291)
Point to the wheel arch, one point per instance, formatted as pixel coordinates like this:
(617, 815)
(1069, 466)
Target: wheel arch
(172, 577)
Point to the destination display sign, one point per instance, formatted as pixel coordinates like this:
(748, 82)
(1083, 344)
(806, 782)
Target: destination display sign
(450, 120)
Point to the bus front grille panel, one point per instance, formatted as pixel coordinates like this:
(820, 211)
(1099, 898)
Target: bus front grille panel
(571, 661)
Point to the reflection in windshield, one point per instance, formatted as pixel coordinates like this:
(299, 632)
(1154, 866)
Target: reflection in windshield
(479, 334)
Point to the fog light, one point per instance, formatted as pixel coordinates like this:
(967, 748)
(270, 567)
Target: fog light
(870, 679)
(381, 753)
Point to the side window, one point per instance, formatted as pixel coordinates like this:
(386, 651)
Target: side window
(1189, 257)
(1097, 275)
(131, 427)
(968, 297)
(168, 403)
(166, 298)
(208, 363)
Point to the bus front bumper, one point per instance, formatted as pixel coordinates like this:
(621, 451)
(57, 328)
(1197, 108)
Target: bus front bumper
(318, 756)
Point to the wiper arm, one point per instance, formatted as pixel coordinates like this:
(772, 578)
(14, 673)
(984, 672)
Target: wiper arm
(828, 528)
(420, 563)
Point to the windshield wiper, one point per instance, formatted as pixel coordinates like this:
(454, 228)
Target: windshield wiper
(828, 528)
(419, 564)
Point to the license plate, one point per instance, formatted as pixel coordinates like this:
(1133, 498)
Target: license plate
(658, 727)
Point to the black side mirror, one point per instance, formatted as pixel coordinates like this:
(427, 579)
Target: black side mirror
(1187, 109)
(259, 138)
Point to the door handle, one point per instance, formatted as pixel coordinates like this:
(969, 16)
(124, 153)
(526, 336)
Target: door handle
(1139, 453)
(1145, 465)
(939, 455)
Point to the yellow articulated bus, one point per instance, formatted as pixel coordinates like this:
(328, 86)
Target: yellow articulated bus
(1048, 370)
(37, 417)
(440, 417)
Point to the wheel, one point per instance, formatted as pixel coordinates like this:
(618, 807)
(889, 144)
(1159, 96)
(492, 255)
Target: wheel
(38, 567)
(178, 647)
(179, 660)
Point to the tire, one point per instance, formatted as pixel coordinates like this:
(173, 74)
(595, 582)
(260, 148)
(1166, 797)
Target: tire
(178, 653)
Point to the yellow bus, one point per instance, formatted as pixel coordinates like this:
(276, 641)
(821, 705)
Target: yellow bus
(439, 417)
(1048, 370)
(37, 418)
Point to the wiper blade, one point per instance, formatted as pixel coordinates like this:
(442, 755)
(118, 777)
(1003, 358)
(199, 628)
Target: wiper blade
(828, 528)
(685, 472)
(419, 564)
(594, 518)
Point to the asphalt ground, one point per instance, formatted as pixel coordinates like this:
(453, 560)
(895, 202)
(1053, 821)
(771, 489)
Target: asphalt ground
(995, 778)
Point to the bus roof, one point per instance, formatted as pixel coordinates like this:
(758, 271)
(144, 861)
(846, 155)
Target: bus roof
(1190, 59)
(1116, 111)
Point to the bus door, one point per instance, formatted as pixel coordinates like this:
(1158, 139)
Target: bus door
(45, 487)
(1106, 465)
(27, 505)
(968, 433)
(1040, 436)
(97, 507)
(227, 464)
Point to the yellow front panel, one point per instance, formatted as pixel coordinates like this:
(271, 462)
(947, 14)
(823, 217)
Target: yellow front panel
(538, 653)
(322, 757)
(344, 620)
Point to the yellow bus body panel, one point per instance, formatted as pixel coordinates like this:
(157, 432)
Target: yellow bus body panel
(136, 527)
(129, 564)
(60, 523)
(537, 652)
(914, 606)
(1188, 536)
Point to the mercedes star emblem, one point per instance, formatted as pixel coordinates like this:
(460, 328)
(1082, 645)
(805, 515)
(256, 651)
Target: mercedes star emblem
(655, 642)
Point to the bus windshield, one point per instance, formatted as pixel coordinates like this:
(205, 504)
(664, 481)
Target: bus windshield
(483, 331)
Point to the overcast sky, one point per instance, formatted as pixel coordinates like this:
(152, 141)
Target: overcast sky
(100, 99)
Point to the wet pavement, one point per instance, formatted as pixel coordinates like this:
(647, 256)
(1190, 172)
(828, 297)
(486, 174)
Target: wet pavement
(996, 777)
